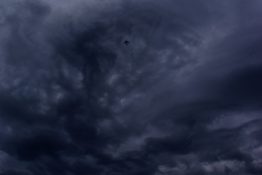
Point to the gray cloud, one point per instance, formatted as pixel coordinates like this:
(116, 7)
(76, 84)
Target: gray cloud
(130, 87)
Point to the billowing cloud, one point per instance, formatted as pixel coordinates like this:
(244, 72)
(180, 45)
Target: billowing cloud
(130, 87)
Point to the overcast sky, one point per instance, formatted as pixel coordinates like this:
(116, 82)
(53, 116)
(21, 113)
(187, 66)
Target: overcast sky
(130, 87)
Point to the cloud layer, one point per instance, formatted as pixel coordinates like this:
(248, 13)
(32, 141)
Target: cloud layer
(130, 87)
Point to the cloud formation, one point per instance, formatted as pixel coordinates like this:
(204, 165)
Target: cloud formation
(130, 87)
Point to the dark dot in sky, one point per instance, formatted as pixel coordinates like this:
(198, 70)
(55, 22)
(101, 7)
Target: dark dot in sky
(126, 42)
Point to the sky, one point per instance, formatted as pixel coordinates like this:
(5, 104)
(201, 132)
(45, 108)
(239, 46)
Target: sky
(130, 87)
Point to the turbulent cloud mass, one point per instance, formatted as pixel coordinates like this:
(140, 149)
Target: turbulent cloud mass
(130, 87)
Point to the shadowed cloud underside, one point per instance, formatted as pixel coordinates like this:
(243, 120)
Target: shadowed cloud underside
(136, 87)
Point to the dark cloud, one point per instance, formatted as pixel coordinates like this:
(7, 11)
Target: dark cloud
(130, 87)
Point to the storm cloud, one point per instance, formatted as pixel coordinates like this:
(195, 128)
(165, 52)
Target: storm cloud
(135, 87)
